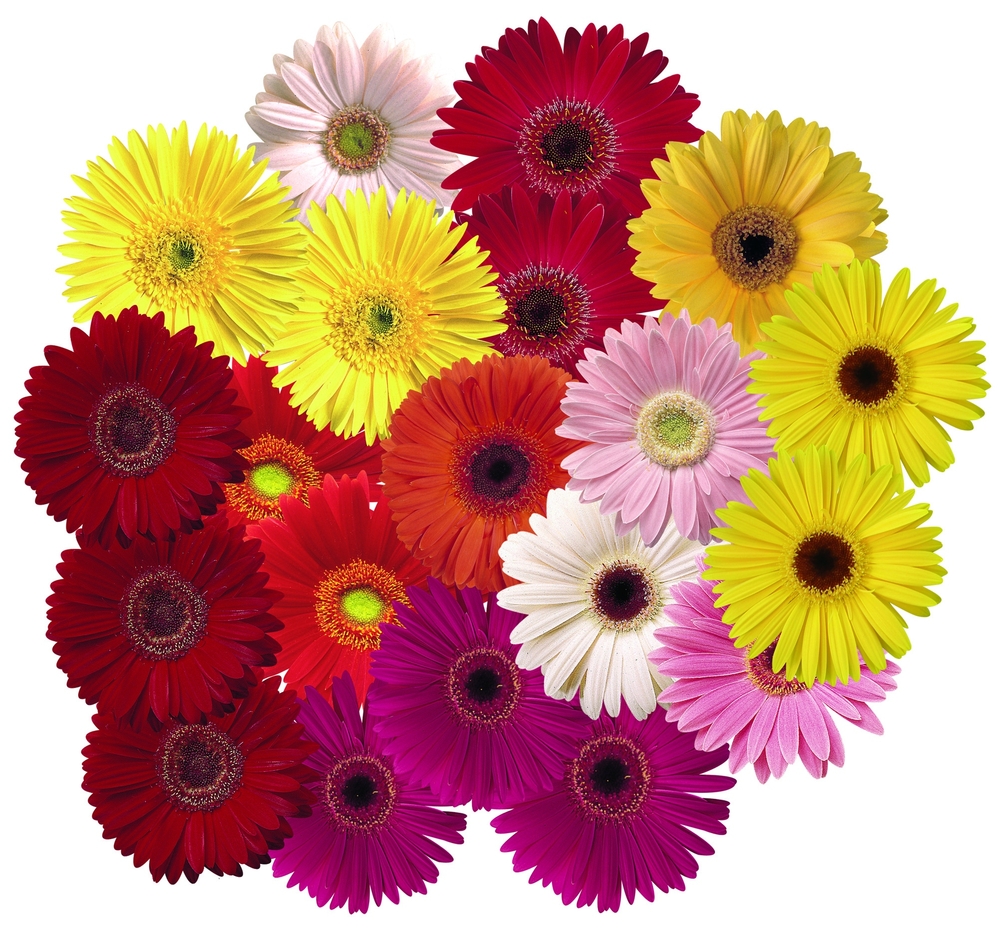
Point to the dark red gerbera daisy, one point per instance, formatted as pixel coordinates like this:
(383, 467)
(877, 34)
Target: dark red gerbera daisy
(168, 629)
(340, 566)
(288, 454)
(212, 795)
(581, 116)
(565, 271)
(132, 431)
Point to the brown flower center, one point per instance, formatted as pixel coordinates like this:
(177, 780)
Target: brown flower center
(868, 376)
(162, 614)
(824, 561)
(755, 246)
(131, 431)
(760, 672)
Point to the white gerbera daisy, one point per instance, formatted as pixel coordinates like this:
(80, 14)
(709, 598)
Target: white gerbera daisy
(336, 118)
(593, 600)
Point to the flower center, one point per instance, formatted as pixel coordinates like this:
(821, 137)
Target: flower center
(499, 471)
(357, 140)
(178, 257)
(548, 313)
(162, 614)
(674, 429)
(567, 145)
(359, 793)
(199, 767)
(277, 468)
(131, 432)
(483, 687)
(760, 672)
(351, 602)
(623, 596)
(609, 779)
(870, 377)
(824, 562)
(755, 246)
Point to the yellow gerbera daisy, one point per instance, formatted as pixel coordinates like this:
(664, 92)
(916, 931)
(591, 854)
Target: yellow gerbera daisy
(736, 221)
(389, 300)
(867, 376)
(820, 561)
(186, 230)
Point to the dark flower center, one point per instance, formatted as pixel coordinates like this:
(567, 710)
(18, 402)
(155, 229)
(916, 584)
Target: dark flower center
(567, 147)
(359, 793)
(198, 766)
(498, 471)
(162, 614)
(623, 596)
(132, 432)
(609, 779)
(540, 313)
(868, 375)
(760, 672)
(483, 687)
(755, 246)
(824, 561)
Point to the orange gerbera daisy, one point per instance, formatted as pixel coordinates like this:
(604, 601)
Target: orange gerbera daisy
(469, 458)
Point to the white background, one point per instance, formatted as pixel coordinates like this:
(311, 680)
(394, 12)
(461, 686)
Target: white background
(902, 839)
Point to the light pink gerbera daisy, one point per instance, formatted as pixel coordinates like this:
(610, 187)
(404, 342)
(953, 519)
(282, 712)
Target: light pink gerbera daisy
(727, 694)
(336, 118)
(672, 425)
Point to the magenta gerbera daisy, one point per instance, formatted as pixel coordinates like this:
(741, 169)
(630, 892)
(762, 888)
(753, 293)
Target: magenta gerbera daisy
(459, 715)
(164, 629)
(131, 432)
(623, 814)
(671, 424)
(565, 271)
(372, 832)
(728, 694)
(212, 795)
(583, 115)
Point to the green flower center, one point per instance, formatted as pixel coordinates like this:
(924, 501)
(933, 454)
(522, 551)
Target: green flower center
(362, 604)
(271, 480)
(357, 140)
(381, 318)
(675, 429)
(182, 255)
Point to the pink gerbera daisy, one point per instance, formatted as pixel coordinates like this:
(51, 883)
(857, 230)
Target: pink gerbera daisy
(672, 425)
(724, 693)
(461, 717)
(583, 115)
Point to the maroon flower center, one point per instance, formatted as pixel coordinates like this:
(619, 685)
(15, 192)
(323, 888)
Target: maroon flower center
(567, 145)
(359, 793)
(609, 779)
(868, 375)
(498, 471)
(162, 614)
(131, 431)
(760, 672)
(548, 314)
(823, 561)
(623, 596)
(483, 687)
(198, 766)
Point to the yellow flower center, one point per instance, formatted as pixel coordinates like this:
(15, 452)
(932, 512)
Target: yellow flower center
(674, 429)
(755, 246)
(352, 600)
(277, 467)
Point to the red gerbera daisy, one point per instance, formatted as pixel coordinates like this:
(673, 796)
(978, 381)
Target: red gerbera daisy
(132, 431)
(581, 116)
(211, 795)
(340, 567)
(288, 454)
(565, 271)
(168, 629)
(469, 458)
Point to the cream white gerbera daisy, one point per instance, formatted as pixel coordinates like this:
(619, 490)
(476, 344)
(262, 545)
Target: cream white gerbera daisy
(336, 118)
(593, 600)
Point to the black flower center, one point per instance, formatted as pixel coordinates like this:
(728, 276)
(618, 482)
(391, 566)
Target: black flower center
(824, 561)
(541, 313)
(498, 471)
(359, 791)
(567, 147)
(868, 375)
(609, 775)
(755, 248)
(622, 595)
(199, 767)
(131, 431)
(610, 778)
(483, 687)
(162, 614)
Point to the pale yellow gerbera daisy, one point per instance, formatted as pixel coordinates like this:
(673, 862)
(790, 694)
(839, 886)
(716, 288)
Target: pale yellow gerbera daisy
(390, 299)
(735, 221)
(191, 230)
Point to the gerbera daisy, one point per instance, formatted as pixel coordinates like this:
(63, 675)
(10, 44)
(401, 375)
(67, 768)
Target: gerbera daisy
(867, 376)
(196, 231)
(336, 118)
(734, 222)
(725, 694)
(592, 600)
(582, 116)
(287, 453)
(389, 300)
(458, 714)
(565, 271)
(820, 560)
(167, 628)
(469, 458)
(623, 815)
(211, 795)
(132, 431)
(672, 426)
(372, 832)
(340, 567)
